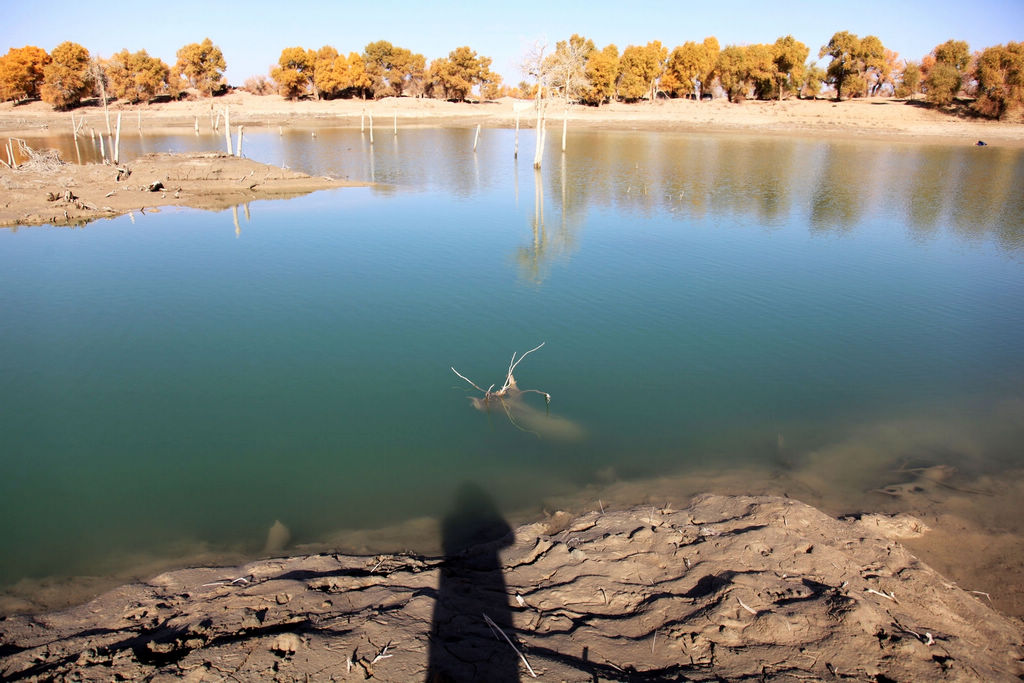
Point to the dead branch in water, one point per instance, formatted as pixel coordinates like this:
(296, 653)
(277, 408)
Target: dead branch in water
(509, 387)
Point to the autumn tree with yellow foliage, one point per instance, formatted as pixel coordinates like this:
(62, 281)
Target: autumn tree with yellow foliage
(393, 70)
(294, 72)
(789, 55)
(67, 78)
(21, 72)
(454, 77)
(852, 58)
(640, 67)
(691, 68)
(202, 65)
(137, 77)
(1000, 77)
(602, 72)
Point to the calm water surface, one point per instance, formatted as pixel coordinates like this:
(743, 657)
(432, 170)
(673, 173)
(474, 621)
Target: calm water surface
(173, 383)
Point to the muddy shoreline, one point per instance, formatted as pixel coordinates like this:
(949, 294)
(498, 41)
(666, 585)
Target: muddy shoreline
(727, 587)
(45, 190)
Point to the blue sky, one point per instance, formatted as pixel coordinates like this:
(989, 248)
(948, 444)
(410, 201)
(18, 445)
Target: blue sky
(252, 34)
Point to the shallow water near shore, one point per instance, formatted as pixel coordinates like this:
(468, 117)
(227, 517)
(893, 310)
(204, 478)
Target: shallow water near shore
(181, 379)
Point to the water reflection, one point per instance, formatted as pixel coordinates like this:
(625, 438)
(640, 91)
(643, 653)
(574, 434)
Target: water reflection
(830, 186)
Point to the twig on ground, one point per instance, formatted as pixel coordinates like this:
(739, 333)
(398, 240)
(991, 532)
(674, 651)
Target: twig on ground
(383, 654)
(746, 607)
(494, 627)
(240, 581)
(887, 596)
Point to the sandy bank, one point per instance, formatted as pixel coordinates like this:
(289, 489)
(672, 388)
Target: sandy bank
(727, 588)
(46, 190)
(874, 117)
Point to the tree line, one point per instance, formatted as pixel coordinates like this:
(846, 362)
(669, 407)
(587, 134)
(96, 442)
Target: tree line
(70, 74)
(575, 71)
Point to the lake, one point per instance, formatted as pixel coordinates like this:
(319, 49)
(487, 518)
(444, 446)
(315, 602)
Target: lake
(173, 382)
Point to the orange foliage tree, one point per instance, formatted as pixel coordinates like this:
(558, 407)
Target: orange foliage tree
(690, 68)
(67, 78)
(602, 71)
(640, 67)
(203, 65)
(294, 72)
(454, 77)
(1000, 75)
(21, 72)
(137, 77)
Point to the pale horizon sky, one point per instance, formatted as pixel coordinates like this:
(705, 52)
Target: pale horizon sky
(252, 35)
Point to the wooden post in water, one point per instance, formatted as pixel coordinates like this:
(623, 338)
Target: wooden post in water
(476, 138)
(197, 124)
(227, 128)
(117, 140)
(140, 121)
(396, 122)
(362, 120)
(238, 147)
(515, 152)
(538, 154)
(565, 125)
(103, 148)
(74, 128)
(371, 127)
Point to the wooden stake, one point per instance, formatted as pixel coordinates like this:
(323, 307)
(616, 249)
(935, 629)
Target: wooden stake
(396, 122)
(476, 138)
(515, 153)
(103, 148)
(117, 140)
(565, 125)
(74, 128)
(238, 146)
(140, 121)
(197, 124)
(362, 120)
(371, 128)
(538, 154)
(227, 128)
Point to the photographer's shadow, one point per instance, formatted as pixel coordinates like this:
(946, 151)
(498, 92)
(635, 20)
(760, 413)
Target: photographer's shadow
(463, 646)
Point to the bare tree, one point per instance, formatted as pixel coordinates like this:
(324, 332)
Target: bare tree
(567, 67)
(534, 66)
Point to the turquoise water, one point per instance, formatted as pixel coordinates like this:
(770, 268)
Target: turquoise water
(170, 382)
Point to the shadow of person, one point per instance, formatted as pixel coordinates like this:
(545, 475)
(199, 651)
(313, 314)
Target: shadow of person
(463, 646)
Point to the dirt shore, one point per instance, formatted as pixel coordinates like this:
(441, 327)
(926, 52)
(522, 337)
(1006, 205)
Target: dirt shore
(46, 190)
(727, 588)
(873, 117)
